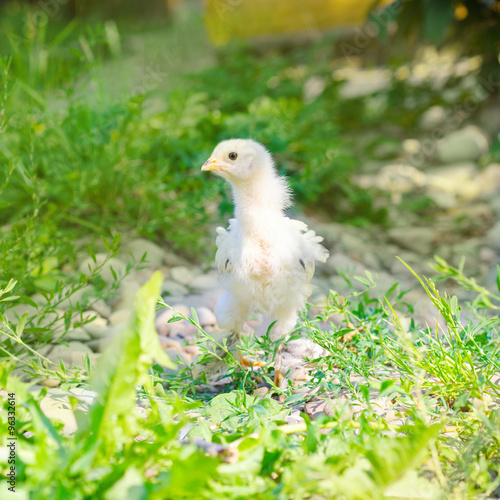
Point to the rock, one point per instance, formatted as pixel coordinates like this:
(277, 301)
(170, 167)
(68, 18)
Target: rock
(260, 392)
(120, 317)
(81, 296)
(167, 342)
(351, 243)
(487, 255)
(493, 236)
(72, 354)
(181, 274)
(56, 406)
(171, 287)
(338, 262)
(361, 82)
(396, 179)
(448, 186)
(101, 308)
(386, 150)
(432, 118)
(117, 264)
(467, 144)
(495, 206)
(417, 239)
(489, 180)
(163, 316)
(14, 313)
(77, 334)
(182, 330)
(313, 88)
(332, 233)
(98, 328)
(204, 282)
(178, 356)
(206, 316)
(155, 255)
(316, 408)
(51, 382)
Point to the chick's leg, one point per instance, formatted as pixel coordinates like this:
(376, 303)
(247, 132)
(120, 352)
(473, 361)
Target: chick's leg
(286, 320)
(231, 312)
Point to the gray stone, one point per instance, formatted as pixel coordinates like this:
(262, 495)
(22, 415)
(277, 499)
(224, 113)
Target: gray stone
(101, 308)
(81, 296)
(120, 317)
(78, 335)
(98, 328)
(72, 354)
(351, 243)
(387, 150)
(204, 282)
(332, 233)
(14, 313)
(432, 118)
(467, 144)
(171, 287)
(181, 274)
(178, 357)
(487, 255)
(338, 262)
(155, 255)
(117, 264)
(417, 239)
(493, 236)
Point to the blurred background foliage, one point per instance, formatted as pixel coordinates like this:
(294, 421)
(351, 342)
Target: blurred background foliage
(108, 110)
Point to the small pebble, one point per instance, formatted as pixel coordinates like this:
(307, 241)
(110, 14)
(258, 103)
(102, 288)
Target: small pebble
(205, 316)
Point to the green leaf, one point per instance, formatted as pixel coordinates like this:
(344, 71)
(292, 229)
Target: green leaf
(21, 324)
(438, 16)
(120, 369)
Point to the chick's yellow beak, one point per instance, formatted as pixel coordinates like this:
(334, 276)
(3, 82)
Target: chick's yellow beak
(213, 164)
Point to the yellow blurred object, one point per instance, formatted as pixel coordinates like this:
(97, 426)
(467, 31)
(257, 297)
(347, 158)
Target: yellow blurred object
(230, 19)
(461, 12)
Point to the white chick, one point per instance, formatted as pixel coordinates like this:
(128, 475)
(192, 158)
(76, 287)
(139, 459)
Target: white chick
(267, 259)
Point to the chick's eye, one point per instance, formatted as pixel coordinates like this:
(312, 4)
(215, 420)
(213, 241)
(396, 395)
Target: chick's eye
(233, 155)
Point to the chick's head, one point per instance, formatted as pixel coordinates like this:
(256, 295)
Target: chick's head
(238, 160)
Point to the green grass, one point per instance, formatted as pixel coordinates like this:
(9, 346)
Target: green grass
(190, 443)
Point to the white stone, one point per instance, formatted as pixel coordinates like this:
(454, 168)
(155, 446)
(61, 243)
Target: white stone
(360, 82)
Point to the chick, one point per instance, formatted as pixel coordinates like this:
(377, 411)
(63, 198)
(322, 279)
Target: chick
(266, 259)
